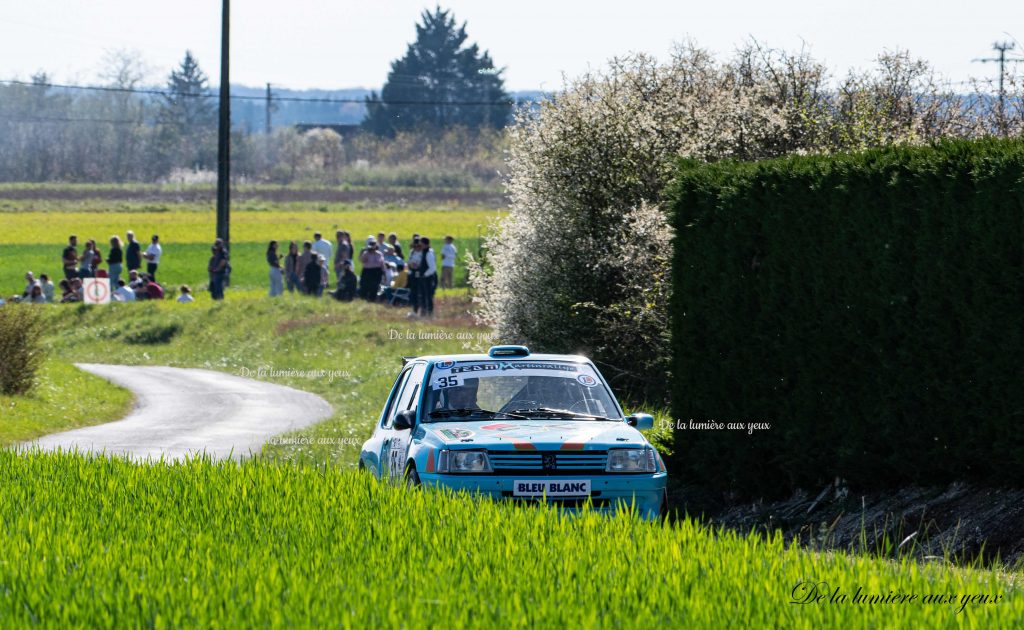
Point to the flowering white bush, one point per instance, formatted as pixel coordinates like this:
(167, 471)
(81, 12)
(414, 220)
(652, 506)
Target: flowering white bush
(582, 261)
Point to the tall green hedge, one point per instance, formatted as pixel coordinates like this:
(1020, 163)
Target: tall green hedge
(870, 307)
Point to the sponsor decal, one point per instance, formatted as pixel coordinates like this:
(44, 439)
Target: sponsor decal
(455, 434)
(522, 445)
(444, 365)
(501, 366)
(430, 461)
(571, 446)
(587, 380)
(501, 426)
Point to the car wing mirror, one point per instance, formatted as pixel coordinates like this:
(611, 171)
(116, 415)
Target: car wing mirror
(404, 420)
(641, 421)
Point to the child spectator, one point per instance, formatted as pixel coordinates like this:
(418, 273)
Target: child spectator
(186, 294)
(448, 253)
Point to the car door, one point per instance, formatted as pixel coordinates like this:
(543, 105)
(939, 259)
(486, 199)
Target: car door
(399, 440)
(378, 445)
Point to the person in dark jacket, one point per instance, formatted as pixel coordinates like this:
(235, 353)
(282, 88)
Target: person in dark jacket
(312, 274)
(132, 252)
(347, 283)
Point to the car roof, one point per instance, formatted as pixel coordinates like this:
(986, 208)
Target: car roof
(574, 358)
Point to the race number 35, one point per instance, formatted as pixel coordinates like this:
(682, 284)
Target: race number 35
(448, 381)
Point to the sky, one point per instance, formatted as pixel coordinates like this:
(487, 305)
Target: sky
(342, 43)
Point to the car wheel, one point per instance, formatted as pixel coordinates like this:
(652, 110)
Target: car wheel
(664, 504)
(412, 478)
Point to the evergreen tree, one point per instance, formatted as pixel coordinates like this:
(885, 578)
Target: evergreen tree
(187, 120)
(440, 82)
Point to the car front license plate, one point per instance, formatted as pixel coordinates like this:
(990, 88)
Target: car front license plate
(551, 488)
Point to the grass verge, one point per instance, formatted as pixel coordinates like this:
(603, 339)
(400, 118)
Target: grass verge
(64, 398)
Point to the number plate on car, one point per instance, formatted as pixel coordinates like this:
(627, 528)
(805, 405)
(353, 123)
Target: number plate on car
(551, 488)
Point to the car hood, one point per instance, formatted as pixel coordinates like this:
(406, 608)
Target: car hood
(535, 434)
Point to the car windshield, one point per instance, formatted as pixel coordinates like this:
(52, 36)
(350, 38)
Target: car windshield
(517, 390)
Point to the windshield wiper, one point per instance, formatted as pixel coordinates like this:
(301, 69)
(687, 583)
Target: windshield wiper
(536, 411)
(466, 413)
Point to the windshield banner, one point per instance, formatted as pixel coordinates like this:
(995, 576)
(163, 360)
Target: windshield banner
(451, 374)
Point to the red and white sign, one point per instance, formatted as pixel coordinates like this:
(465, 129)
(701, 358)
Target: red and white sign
(96, 290)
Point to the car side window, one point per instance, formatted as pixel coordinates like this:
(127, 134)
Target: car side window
(390, 411)
(410, 392)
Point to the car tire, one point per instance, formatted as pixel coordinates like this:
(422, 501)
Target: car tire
(664, 505)
(412, 477)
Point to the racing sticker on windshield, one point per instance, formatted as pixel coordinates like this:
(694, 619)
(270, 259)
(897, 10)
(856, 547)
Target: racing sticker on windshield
(451, 376)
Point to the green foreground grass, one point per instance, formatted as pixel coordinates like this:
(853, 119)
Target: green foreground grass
(266, 544)
(63, 398)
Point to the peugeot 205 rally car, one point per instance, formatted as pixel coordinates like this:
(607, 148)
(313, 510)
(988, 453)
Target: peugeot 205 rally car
(511, 424)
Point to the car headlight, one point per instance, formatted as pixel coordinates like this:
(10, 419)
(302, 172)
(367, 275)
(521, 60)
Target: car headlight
(463, 462)
(631, 460)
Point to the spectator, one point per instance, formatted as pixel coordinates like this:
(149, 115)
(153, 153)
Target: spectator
(305, 258)
(69, 259)
(134, 280)
(373, 268)
(44, 281)
(132, 253)
(218, 269)
(291, 265)
(395, 245)
(186, 295)
(97, 258)
(71, 290)
(347, 284)
(153, 289)
(415, 259)
(400, 281)
(448, 253)
(385, 248)
(153, 254)
(342, 252)
(86, 261)
(325, 275)
(274, 261)
(390, 271)
(428, 279)
(122, 293)
(36, 295)
(115, 260)
(32, 283)
(311, 276)
(322, 246)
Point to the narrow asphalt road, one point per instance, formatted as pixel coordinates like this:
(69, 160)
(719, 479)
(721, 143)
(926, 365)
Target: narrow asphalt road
(184, 411)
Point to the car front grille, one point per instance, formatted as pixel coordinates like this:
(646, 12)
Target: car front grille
(547, 463)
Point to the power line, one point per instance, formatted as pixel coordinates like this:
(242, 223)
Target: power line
(251, 97)
(1001, 48)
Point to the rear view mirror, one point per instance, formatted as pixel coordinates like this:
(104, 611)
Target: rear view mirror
(641, 421)
(404, 420)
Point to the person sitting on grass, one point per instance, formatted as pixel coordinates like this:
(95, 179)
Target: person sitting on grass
(153, 290)
(36, 296)
(186, 294)
(32, 283)
(122, 293)
(70, 290)
(347, 283)
(44, 281)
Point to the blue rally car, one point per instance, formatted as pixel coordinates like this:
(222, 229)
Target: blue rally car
(510, 424)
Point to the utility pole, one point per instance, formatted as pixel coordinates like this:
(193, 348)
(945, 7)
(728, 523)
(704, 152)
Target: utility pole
(267, 128)
(224, 132)
(1001, 48)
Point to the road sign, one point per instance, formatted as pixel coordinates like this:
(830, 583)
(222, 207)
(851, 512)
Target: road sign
(96, 290)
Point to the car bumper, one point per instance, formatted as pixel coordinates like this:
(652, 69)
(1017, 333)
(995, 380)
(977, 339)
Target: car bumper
(607, 492)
